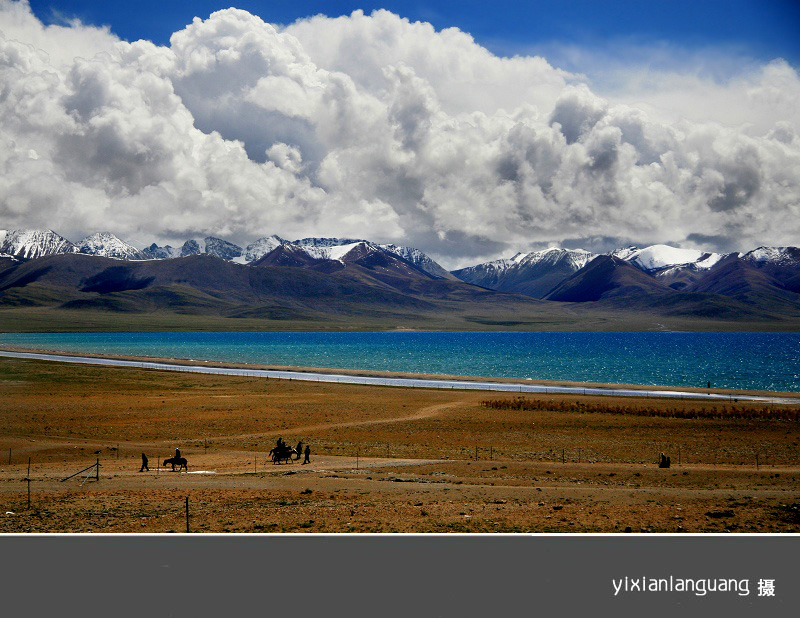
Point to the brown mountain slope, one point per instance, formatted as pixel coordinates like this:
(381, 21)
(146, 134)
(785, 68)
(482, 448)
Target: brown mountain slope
(748, 284)
(606, 277)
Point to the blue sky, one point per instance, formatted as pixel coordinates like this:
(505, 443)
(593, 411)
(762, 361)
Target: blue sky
(757, 29)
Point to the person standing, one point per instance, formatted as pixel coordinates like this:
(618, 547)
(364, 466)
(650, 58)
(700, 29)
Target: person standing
(299, 450)
(144, 464)
(307, 455)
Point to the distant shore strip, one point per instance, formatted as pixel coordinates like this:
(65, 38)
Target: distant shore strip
(400, 382)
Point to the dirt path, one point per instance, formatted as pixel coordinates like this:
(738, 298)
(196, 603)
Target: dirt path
(426, 412)
(422, 413)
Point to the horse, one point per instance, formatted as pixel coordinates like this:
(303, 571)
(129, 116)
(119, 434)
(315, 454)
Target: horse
(284, 454)
(177, 461)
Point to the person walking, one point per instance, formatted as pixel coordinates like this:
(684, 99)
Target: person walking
(307, 454)
(144, 464)
(299, 450)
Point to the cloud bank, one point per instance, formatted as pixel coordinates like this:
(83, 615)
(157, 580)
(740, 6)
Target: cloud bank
(372, 126)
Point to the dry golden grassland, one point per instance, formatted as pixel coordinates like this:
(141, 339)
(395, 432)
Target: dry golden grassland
(383, 459)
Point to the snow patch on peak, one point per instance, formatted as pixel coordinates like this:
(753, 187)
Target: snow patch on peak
(657, 257)
(419, 259)
(339, 251)
(783, 256)
(488, 274)
(407, 253)
(327, 248)
(106, 244)
(624, 253)
(576, 258)
(190, 247)
(222, 248)
(31, 244)
(258, 249)
(327, 242)
(154, 252)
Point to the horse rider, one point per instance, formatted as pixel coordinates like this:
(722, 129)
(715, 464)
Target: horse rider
(177, 453)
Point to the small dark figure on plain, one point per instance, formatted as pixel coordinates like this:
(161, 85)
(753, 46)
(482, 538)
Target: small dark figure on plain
(177, 453)
(307, 454)
(144, 464)
(299, 450)
(177, 461)
(663, 461)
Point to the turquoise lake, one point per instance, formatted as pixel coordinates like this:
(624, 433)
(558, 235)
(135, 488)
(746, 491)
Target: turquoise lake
(762, 361)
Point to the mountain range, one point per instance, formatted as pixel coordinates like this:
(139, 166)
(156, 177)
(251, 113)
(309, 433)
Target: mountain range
(31, 244)
(767, 277)
(318, 279)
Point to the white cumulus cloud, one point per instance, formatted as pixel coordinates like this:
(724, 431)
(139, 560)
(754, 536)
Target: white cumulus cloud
(373, 126)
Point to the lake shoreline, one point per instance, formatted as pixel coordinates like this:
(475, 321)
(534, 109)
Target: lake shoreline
(647, 390)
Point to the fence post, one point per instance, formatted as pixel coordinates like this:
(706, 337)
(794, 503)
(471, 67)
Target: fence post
(97, 470)
(562, 456)
(356, 459)
(756, 461)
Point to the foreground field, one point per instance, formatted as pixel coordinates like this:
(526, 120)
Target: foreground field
(383, 459)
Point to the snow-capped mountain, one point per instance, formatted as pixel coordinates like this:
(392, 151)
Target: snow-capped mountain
(575, 258)
(326, 248)
(154, 252)
(338, 248)
(31, 244)
(487, 274)
(780, 263)
(533, 274)
(190, 247)
(260, 248)
(674, 267)
(419, 259)
(222, 248)
(780, 256)
(106, 244)
(659, 257)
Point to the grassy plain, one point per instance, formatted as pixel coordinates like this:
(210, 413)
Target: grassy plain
(383, 459)
(532, 317)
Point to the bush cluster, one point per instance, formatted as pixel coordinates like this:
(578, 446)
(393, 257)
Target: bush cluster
(749, 412)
